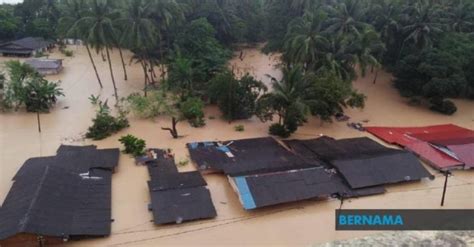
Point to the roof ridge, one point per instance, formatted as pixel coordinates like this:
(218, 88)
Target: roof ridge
(24, 221)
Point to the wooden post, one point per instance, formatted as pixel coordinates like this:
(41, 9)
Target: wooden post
(446, 174)
(39, 122)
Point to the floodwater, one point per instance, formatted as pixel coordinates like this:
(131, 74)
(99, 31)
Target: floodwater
(303, 223)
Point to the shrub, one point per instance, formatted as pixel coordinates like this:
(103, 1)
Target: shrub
(443, 106)
(183, 163)
(239, 128)
(133, 145)
(68, 53)
(279, 130)
(104, 124)
(192, 110)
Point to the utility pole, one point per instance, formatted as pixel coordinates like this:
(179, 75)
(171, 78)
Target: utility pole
(446, 174)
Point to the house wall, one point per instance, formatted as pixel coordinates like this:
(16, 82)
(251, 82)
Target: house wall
(29, 240)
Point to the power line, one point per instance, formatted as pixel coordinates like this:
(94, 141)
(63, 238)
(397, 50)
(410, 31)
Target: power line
(245, 218)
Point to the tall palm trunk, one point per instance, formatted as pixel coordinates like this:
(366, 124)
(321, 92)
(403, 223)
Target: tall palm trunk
(376, 75)
(161, 60)
(123, 64)
(146, 78)
(112, 75)
(93, 65)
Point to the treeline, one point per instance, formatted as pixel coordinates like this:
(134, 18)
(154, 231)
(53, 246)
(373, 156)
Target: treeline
(426, 44)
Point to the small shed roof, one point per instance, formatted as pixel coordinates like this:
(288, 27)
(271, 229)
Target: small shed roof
(40, 63)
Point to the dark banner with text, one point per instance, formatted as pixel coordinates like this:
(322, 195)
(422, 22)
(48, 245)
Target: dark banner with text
(404, 219)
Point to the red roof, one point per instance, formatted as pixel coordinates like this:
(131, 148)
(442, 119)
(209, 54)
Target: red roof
(417, 139)
(465, 153)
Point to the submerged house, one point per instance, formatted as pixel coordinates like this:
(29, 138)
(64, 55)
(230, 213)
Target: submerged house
(59, 198)
(25, 47)
(265, 172)
(46, 66)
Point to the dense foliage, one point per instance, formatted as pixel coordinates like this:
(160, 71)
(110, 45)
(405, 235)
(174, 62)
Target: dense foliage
(427, 44)
(236, 98)
(192, 110)
(133, 145)
(105, 124)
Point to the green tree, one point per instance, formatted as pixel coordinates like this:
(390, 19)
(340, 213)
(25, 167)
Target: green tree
(330, 95)
(101, 33)
(139, 33)
(71, 12)
(236, 98)
(288, 100)
(346, 17)
(421, 22)
(197, 41)
(9, 25)
(305, 40)
(181, 76)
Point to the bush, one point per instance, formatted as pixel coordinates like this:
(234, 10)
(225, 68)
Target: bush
(104, 124)
(192, 110)
(133, 145)
(68, 53)
(183, 163)
(239, 128)
(279, 130)
(443, 106)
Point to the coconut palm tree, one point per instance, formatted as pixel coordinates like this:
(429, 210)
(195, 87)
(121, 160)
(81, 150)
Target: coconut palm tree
(181, 75)
(72, 11)
(101, 33)
(369, 49)
(304, 39)
(288, 99)
(138, 32)
(165, 13)
(421, 21)
(346, 17)
(340, 57)
(460, 16)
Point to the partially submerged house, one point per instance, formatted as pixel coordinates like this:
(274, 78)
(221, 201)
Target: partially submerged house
(60, 198)
(266, 172)
(444, 147)
(176, 196)
(25, 47)
(46, 66)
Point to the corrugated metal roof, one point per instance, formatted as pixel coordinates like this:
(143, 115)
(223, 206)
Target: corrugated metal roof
(51, 196)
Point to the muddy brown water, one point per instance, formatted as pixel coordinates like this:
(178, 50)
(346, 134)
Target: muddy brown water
(303, 223)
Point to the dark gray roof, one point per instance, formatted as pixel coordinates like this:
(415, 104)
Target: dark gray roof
(296, 185)
(381, 169)
(44, 63)
(179, 205)
(51, 197)
(363, 162)
(177, 197)
(251, 156)
(169, 181)
(28, 43)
